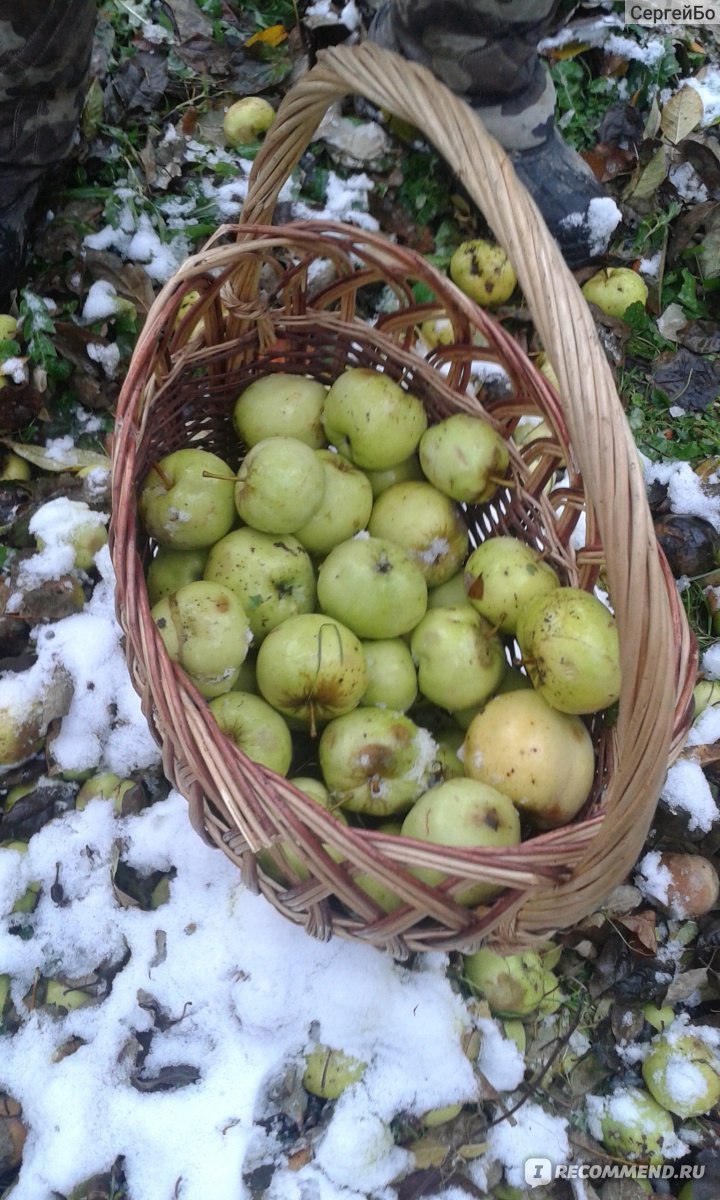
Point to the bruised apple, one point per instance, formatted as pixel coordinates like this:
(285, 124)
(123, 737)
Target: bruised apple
(376, 761)
(502, 576)
(426, 523)
(483, 271)
(541, 758)
(463, 812)
(570, 648)
(311, 667)
(205, 630)
(512, 984)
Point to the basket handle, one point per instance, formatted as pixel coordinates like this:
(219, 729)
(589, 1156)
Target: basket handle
(600, 436)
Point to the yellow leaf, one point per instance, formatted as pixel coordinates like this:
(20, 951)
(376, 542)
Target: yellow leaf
(274, 35)
(682, 113)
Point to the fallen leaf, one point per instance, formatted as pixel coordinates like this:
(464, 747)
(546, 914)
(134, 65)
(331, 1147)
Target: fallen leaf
(682, 113)
(167, 1079)
(639, 929)
(273, 36)
(648, 180)
(701, 336)
(687, 379)
(71, 459)
(622, 125)
(607, 160)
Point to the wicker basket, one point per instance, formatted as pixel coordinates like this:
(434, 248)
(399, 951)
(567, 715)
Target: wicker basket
(292, 298)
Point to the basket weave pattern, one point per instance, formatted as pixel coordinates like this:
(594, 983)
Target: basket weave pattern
(298, 298)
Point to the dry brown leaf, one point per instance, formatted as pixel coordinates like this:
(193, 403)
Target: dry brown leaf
(682, 113)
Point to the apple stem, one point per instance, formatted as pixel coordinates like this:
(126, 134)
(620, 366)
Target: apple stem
(502, 481)
(165, 479)
(226, 478)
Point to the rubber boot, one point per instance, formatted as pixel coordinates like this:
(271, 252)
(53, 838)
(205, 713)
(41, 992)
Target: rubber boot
(486, 52)
(45, 48)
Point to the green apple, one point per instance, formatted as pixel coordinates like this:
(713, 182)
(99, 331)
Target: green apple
(13, 467)
(386, 899)
(280, 485)
(630, 1124)
(372, 586)
(205, 630)
(392, 678)
(371, 420)
(271, 574)
(247, 119)
(282, 861)
(328, 1072)
(464, 457)
(460, 660)
(21, 730)
(449, 742)
(311, 667)
(426, 523)
(542, 759)
(60, 995)
(172, 569)
(449, 594)
(281, 405)
(483, 271)
(256, 728)
(345, 508)
(570, 648)
(614, 289)
(512, 984)
(187, 499)
(464, 813)
(376, 761)
(682, 1071)
(402, 472)
(108, 787)
(502, 576)
(71, 523)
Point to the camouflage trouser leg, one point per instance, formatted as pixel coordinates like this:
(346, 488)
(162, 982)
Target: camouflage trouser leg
(485, 51)
(45, 48)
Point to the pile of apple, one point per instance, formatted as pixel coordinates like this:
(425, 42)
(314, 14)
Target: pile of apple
(329, 588)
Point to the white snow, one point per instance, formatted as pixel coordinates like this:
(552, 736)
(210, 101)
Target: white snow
(100, 302)
(532, 1132)
(652, 877)
(107, 355)
(707, 85)
(601, 219)
(687, 183)
(687, 790)
(685, 490)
